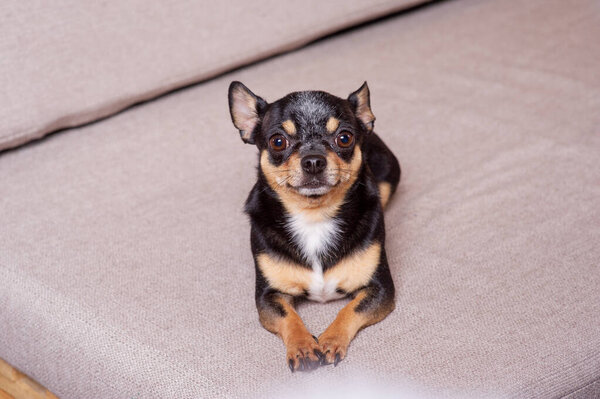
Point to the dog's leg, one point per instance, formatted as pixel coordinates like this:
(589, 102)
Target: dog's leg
(277, 315)
(369, 306)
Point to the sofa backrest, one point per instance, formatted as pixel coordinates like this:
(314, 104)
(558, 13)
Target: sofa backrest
(66, 62)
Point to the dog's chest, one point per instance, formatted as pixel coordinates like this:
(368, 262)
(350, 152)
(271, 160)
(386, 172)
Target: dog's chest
(315, 239)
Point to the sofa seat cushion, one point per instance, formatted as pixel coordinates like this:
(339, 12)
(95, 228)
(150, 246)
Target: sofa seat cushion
(125, 257)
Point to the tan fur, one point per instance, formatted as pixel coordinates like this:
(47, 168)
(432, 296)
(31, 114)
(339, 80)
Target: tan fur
(286, 327)
(290, 172)
(292, 328)
(356, 270)
(298, 341)
(287, 277)
(332, 124)
(348, 322)
(289, 127)
(351, 273)
(336, 338)
(385, 190)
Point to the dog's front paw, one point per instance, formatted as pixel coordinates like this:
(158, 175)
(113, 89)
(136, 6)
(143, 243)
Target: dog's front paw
(304, 353)
(334, 347)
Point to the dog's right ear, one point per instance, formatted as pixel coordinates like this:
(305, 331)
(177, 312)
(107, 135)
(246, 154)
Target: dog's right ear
(246, 110)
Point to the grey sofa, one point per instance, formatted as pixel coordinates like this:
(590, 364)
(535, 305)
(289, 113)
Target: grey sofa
(125, 265)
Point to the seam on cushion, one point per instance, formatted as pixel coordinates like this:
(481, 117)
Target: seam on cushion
(294, 42)
(231, 63)
(593, 382)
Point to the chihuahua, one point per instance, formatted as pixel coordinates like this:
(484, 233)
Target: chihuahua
(316, 214)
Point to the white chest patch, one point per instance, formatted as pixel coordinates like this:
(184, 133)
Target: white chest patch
(315, 238)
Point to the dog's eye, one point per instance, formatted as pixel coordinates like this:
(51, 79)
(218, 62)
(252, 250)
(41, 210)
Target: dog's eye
(278, 142)
(344, 140)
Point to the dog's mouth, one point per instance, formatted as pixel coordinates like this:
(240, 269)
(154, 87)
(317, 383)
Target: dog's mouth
(313, 188)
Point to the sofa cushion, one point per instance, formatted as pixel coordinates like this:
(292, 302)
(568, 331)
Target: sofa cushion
(125, 258)
(69, 62)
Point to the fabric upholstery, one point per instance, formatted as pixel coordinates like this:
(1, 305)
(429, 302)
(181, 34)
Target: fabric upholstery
(125, 261)
(68, 62)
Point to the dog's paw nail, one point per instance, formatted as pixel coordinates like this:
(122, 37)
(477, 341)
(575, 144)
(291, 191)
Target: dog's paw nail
(316, 339)
(291, 365)
(337, 360)
(319, 355)
(322, 358)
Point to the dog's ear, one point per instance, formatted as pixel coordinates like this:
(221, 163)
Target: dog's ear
(361, 103)
(246, 110)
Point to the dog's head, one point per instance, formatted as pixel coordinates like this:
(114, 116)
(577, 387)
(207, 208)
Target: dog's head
(309, 142)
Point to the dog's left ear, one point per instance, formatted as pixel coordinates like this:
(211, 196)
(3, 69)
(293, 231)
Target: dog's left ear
(361, 103)
(246, 110)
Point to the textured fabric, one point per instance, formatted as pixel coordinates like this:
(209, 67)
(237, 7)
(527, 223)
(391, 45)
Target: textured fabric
(125, 260)
(589, 391)
(67, 62)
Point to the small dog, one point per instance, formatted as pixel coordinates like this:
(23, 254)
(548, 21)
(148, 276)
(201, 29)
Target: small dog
(316, 215)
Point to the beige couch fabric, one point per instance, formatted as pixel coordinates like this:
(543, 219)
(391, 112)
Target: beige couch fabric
(125, 262)
(67, 62)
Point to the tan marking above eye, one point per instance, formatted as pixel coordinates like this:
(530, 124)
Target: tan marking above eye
(332, 124)
(355, 271)
(285, 276)
(289, 127)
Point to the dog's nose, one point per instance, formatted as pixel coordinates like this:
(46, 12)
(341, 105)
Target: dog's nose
(314, 164)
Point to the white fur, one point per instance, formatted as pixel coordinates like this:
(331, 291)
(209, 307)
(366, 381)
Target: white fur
(314, 240)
